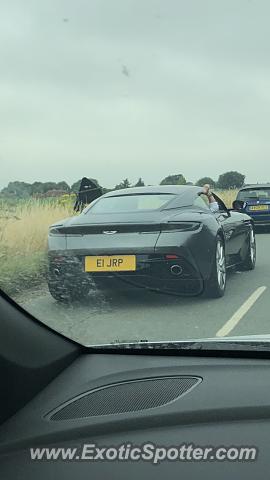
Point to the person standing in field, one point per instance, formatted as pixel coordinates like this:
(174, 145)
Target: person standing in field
(88, 192)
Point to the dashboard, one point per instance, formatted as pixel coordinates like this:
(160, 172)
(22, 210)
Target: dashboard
(114, 399)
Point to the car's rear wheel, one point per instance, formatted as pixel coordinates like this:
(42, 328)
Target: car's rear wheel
(215, 286)
(66, 290)
(249, 261)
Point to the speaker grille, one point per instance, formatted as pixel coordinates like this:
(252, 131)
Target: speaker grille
(124, 397)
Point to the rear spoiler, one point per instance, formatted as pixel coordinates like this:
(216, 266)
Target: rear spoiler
(125, 228)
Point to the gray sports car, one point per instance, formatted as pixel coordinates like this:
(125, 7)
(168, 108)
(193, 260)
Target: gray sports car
(164, 238)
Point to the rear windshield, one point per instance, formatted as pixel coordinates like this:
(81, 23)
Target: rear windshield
(130, 203)
(254, 194)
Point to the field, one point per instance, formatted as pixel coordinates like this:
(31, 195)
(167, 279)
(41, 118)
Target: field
(23, 239)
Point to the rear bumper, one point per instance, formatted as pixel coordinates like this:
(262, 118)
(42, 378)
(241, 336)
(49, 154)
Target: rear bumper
(261, 222)
(190, 287)
(259, 218)
(152, 272)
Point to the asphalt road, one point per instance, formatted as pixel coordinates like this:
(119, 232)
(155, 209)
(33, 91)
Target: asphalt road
(137, 314)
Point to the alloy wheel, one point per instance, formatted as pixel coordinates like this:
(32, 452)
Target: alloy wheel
(221, 265)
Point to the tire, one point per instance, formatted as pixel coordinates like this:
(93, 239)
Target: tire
(215, 286)
(249, 261)
(63, 290)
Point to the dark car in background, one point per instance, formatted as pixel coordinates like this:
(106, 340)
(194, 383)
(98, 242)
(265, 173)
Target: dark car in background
(164, 238)
(255, 201)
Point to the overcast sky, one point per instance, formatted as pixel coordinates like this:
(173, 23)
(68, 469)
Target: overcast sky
(126, 88)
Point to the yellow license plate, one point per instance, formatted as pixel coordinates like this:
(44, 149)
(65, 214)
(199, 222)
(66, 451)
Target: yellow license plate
(259, 207)
(110, 263)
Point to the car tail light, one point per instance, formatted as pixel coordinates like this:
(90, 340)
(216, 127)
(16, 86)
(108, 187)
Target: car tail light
(180, 226)
(171, 257)
(55, 231)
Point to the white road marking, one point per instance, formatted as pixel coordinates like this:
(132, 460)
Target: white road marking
(240, 313)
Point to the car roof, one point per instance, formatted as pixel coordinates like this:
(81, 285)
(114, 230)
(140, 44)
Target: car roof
(255, 186)
(157, 189)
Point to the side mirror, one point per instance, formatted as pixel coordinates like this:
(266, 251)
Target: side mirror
(238, 205)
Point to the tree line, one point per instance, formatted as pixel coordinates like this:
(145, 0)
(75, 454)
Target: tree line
(228, 180)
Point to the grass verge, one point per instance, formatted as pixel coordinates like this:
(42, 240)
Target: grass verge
(21, 273)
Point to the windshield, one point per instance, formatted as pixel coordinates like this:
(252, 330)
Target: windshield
(130, 203)
(128, 130)
(254, 194)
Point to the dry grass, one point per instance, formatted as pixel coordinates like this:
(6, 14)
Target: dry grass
(23, 243)
(24, 230)
(228, 196)
(23, 240)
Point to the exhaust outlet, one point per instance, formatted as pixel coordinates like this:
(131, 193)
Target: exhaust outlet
(176, 270)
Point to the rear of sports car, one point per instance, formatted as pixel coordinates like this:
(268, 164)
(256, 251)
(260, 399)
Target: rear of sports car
(169, 256)
(256, 203)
